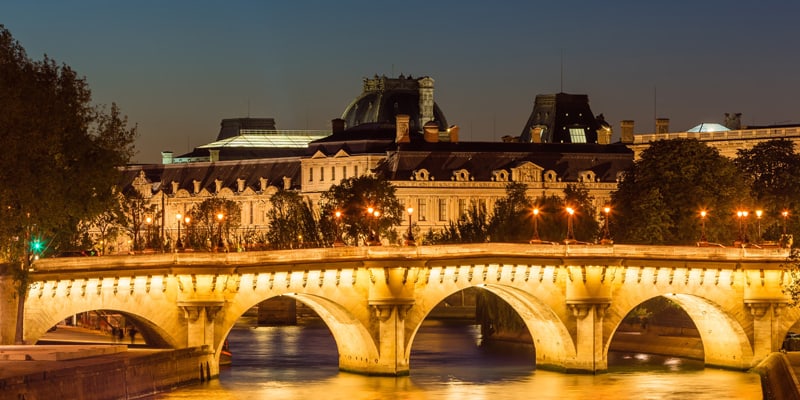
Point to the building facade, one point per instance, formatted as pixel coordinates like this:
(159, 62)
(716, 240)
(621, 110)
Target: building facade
(394, 129)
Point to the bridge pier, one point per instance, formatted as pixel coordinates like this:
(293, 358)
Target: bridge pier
(766, 322)
(200, 328)
(589, 349)
(589, 296)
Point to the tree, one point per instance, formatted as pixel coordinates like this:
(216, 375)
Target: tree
(352, 197)
(59, 160)
(511, 219)
(773, 167)
(660, 197)
(585, 225)
(211, 224)
(473, 227)
(292, 222)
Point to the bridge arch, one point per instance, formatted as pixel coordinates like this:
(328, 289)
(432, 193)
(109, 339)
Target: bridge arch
(154, 334)
(354, 341)
(725, 341)
(551, 339)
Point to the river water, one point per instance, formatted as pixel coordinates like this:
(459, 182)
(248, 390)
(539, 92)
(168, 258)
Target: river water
(447, 362)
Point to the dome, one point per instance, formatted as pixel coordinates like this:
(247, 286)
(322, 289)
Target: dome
(708, 127)
(383, 98)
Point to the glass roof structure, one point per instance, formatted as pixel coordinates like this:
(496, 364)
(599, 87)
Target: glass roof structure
(269, 139)
(708, 127)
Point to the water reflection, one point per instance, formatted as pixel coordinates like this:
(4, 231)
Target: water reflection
(448, 362)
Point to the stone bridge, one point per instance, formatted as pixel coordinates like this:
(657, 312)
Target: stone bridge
(374, 299)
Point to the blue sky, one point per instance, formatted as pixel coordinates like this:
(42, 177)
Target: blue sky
(176, 68)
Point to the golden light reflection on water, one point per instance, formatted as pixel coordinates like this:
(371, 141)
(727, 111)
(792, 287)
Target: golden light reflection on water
(448, 365)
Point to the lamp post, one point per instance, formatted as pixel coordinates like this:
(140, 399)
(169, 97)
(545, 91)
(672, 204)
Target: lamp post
(536, 239)
(410, 237)
(606, 234)
(179, 244)
(739, 240)
(220, 217)
(149, 221)
(784, 237)
(186, 221)
(703, 239)
(759, 213)
(570, 234)
(337, 242)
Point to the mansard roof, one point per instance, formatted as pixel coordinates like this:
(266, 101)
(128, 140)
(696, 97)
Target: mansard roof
(480, 159)
(162, 175)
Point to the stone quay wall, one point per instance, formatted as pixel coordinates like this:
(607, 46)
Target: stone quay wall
(127, 376)
(778, 381)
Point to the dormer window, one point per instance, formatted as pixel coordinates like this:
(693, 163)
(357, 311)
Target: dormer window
(420, 175)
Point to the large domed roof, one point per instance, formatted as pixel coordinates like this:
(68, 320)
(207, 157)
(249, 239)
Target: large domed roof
(384, 98)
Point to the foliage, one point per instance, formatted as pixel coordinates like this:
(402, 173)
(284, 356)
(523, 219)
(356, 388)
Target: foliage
(352, 197)
(791, 286)
(511, 219)
(135, 210)
(774, 169)
(585, 225)
(660, 197)
(213, 223)
(473, 227)
(292, 222)
(59, 160)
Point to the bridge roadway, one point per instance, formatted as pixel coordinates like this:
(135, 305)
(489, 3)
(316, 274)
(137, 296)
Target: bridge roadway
(374, 299)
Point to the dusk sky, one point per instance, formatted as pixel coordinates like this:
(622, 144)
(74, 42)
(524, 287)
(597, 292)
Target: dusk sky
(176, 68)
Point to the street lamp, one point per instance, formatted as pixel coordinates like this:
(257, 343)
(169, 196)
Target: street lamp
(536, 239)
(179, 243)
(410, 237)
(220, 217)
(149, 221)
(186, 221)
(373, 239)
(703, 239)
(606, 235)
(570, 234)
(337, 242)
(759, 213)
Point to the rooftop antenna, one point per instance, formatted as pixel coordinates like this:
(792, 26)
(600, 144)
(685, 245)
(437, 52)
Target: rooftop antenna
(561, 90)
(655, 109)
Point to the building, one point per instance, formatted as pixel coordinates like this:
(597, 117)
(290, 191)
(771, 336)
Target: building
(396, 130)
(727, 138)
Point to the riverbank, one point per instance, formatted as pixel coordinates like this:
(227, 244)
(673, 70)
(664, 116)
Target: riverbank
(96, 372)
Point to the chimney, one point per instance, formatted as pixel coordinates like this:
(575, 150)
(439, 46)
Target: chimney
(604, 134)
(240, 185)
(403, 135)
(175, 187)
(662, 125)
(453, 132)
(626, 131)
(218, 185)
(536, 133)
(337, 125)
(196, 186)
(431, 132)
(166, 157)
(213, 155)
(263, 183)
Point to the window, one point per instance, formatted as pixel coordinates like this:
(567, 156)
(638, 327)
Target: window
(311, 174)
(576, 135)
(422, 209)
(442, 209)
(344, 172)
(462, 207)
(333, 173)
(321, 174)
(356, 167)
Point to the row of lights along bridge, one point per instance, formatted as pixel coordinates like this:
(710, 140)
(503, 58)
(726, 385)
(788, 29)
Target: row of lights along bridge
(373, 216)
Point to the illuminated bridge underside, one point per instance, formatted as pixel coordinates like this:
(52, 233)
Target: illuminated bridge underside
(374, 300)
